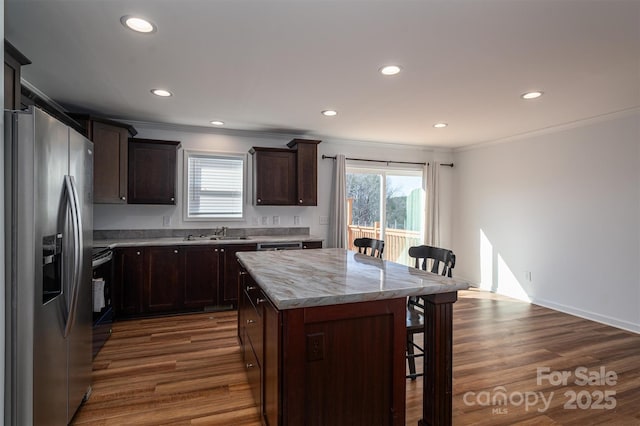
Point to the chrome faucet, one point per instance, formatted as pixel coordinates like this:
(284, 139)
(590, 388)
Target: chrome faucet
(220, 231)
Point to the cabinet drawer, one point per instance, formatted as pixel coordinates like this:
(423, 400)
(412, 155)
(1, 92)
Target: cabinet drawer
(253, 322)
(253, 373)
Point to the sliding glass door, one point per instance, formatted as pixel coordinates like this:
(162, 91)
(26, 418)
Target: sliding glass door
(386, 204)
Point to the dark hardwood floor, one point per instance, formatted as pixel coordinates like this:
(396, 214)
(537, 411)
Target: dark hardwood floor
(187, 370)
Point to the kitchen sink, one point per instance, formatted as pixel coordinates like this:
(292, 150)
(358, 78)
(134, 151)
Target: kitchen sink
(228, 238)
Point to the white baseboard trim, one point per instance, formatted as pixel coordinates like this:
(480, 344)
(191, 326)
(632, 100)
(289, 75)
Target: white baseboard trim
(592, 316)
(614, 322)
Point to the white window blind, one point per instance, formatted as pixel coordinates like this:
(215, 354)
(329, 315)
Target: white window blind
(214, 186)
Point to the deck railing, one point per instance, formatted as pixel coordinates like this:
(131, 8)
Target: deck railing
(396, 241)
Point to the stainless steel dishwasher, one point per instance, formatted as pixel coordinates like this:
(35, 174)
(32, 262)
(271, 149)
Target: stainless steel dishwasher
(279, 246)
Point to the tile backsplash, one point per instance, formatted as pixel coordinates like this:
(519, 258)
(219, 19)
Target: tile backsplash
(169, 233)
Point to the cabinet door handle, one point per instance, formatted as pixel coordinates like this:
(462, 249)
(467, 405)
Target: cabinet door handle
(250, 321)
(249, 365)
(175, 251)
(259, 301)
(123, 198)
(300, 201)
(173, 199)
(138, 253)
(259, 200)
(222, 250)
(243, 273)
(250, 287)
(215, 250)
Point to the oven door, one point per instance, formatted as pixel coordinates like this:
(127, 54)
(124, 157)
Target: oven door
(101, 300)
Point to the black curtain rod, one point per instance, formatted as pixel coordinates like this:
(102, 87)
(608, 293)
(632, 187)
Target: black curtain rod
(384, 161)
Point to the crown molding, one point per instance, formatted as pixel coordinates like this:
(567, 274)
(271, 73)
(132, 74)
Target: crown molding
(554, 129)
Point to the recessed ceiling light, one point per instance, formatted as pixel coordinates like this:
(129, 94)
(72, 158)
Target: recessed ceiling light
(329, 112)
(161, 92)
(390, 70)
(138, 24)
(531, 95)
(440, 125)
(217, 123)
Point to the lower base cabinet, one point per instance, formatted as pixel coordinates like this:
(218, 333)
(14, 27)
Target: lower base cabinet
(201, 277)
(324, 365)
(229, 288)
(271, 365)
(128, 277)
(166, 279)
(162, 276)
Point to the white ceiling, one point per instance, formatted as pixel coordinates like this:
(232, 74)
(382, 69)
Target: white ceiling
(272, 65)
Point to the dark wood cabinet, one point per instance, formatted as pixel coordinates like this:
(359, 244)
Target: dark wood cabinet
(286, 177)
(13, 61)
(164, 279)
(303, 355)
(161, 286)
(127, 281)
(152, 171)
(307, 171)
(111, 150)
(167, 279)
(251, 327)
(274, 176)
(312, 245)
(110, 168)
(231, 268)
(334, 346)
(200, 276)
(271, 388)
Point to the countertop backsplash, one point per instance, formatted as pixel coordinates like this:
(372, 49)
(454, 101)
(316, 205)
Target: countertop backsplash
(170, 233)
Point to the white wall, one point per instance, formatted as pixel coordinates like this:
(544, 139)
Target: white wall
(563, 204)
(151, 217)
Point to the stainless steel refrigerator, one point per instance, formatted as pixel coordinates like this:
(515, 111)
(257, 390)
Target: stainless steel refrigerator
(49, 227)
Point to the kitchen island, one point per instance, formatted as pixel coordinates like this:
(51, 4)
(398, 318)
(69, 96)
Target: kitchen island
(323, 337)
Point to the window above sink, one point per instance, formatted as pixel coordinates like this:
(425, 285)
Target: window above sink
(214, 186)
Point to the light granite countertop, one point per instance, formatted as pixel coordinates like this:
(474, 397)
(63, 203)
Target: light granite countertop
(306, 278)
(177, 241)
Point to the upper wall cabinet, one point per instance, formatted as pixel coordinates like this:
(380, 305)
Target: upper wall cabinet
(152, 171)
(286, 177)
(110, 145)
(13, 60)
(307, 169)
(274, 176)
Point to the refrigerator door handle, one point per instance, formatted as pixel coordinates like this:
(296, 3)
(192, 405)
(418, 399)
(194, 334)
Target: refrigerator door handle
(76, 223)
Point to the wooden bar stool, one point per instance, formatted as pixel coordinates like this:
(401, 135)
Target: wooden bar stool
(369, 246)
(442, 262)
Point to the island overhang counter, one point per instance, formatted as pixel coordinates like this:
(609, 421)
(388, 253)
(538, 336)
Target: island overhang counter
(323, 337)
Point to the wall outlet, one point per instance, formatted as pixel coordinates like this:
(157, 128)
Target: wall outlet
(527, 276)
(315, 347)
(166, 220)
(324, 220)
(265, 220)
(276, 220)
(296, 220)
